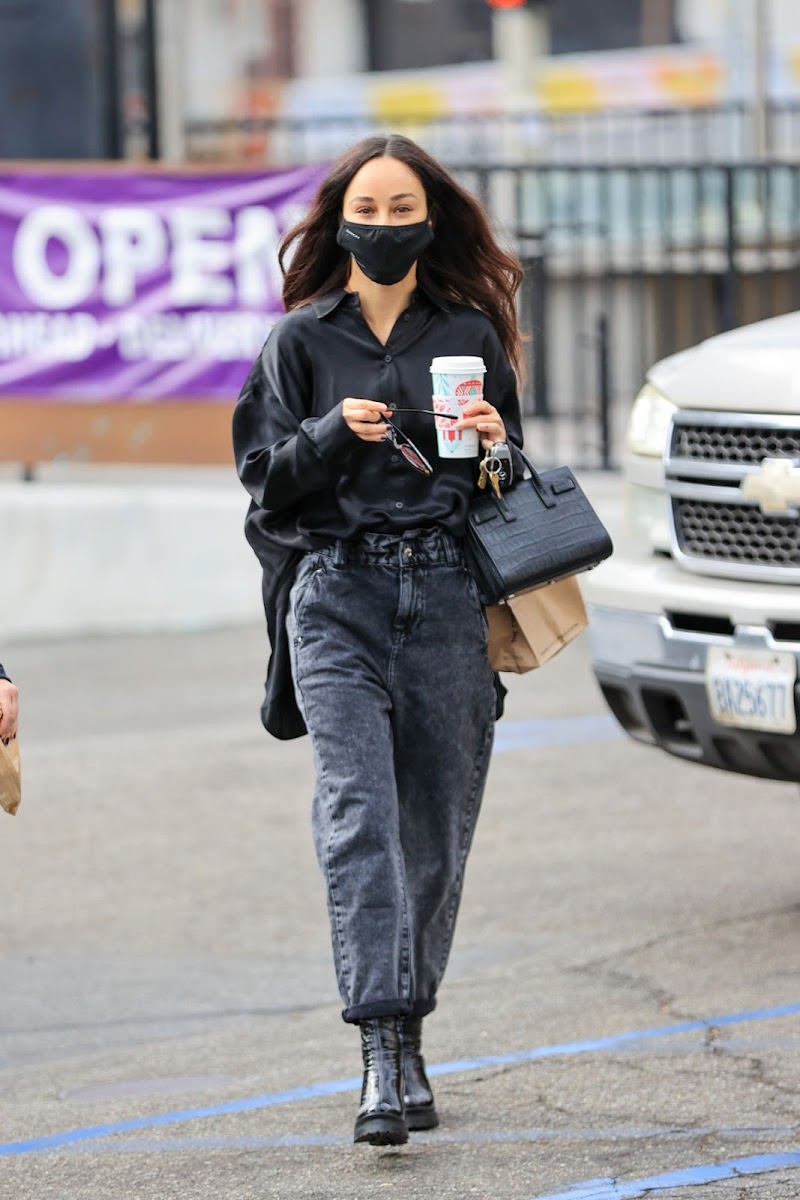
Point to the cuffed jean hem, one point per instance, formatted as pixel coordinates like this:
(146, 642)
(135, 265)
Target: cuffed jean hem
(421, 1008)
(380, 1008)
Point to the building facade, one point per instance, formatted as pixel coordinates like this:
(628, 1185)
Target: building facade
(387, 60)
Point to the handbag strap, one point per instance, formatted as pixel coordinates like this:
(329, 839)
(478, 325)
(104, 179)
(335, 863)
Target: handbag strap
(536, 479)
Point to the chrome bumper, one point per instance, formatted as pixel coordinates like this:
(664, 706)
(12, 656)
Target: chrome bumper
(652, 676)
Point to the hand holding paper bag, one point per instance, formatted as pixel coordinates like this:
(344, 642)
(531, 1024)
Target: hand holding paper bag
(9, 749)
(10, 793)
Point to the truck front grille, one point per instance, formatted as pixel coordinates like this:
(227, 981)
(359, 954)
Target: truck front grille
(714, 529)
(734, 443)
(736, 533)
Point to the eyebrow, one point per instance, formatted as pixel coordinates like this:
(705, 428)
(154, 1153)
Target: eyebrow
(399, 196)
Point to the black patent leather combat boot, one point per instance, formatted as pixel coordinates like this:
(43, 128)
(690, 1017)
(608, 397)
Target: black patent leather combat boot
(420, 1108)
(381, 1119)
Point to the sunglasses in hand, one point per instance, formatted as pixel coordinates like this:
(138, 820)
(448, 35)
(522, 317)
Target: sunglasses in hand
(403, 443)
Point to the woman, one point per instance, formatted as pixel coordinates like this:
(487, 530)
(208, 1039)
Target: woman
(368, 599)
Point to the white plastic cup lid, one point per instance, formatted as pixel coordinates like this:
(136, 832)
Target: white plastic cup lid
(458, 364)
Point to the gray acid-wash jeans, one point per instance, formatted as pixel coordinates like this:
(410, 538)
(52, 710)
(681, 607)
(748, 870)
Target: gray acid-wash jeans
(388, 644)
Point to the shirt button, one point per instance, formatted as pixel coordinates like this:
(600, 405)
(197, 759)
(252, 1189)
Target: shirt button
(388, 358)
(395, 458)
(392, 406)
(407, 317)
(399, 504)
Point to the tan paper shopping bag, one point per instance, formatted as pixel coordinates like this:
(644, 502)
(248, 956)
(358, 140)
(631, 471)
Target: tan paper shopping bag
(10, 792)
(508, 647)
(530, 628)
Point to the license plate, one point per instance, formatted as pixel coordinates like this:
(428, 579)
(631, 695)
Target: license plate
(752, 689)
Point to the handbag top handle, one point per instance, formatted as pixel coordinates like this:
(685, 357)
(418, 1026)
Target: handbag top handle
(536, 479)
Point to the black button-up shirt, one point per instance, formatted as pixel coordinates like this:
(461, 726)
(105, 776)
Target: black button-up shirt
(293, 448)
(312, 480)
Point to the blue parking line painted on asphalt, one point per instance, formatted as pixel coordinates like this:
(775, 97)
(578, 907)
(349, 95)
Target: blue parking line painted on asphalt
(252, 1103)
(559, 731)
(736, 1168)
(291, 1141)
(335, 1087)
(613, 1042)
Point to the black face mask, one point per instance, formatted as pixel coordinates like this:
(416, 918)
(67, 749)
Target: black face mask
(385, 253)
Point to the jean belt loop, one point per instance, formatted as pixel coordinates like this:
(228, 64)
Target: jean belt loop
(339, 553)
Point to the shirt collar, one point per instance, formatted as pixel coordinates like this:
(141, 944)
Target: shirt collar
(325, 305)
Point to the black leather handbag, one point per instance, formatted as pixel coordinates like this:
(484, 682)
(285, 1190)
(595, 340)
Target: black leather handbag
(540, 529)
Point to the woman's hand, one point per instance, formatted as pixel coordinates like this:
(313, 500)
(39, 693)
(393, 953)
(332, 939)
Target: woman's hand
(9, 709)
(483, 416)
(364, 418)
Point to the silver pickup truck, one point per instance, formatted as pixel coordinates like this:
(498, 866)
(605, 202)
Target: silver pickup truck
(695, 622)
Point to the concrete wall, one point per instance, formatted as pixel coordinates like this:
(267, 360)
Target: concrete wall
(123, 557)
(330, 38)
(222, 45)
(716, 20)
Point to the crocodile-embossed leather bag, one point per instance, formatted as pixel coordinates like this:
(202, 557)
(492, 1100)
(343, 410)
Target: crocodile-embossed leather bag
(539, 530)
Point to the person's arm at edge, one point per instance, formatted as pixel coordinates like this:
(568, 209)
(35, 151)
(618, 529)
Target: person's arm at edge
(9, 703)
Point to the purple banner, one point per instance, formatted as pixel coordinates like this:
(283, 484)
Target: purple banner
(140, 285)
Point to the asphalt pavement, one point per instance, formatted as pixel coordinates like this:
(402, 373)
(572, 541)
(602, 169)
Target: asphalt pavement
(621, 1015)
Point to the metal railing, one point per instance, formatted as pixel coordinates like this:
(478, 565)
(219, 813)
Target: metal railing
(641, 234)
(628, 264)
(709, 134)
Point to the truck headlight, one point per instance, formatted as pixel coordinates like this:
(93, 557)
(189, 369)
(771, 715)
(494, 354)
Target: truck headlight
(649, 421)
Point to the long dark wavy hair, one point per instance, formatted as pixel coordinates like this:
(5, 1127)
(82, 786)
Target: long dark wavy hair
(463, 263)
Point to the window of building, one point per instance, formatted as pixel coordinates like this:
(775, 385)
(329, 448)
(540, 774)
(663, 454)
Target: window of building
(428, 33)
(576, 26)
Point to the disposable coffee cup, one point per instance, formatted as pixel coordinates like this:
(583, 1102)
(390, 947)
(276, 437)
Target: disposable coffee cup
(457, 380)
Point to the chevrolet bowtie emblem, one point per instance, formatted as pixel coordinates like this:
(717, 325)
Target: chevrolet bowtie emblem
(775, 485)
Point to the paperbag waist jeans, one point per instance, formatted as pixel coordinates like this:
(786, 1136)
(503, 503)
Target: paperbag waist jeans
(389, 661)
